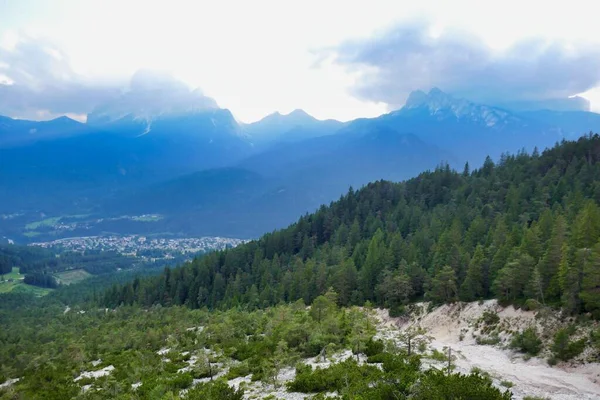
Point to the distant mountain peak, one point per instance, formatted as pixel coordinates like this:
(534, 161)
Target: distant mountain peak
(435, 91)
(442, 106)
(298, 112)
(436, 98)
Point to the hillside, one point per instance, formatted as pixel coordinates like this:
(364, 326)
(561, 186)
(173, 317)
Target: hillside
(526, 228)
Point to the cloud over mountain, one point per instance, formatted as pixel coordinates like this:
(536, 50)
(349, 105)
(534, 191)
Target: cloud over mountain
(151, 94)
(406, 57)
(37, 82)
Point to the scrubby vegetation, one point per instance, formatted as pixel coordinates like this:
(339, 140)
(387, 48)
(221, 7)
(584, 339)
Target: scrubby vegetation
(175, 352)
(564, 348)
(527, 341)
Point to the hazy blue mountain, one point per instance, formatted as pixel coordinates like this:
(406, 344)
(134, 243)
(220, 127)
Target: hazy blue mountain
(468, 130)
(293, 127)
(205, 174)
(17, 132)
(76, 169)
(262, 196)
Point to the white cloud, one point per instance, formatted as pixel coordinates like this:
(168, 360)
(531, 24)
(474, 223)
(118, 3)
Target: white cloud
(407, 58)
(256, 57)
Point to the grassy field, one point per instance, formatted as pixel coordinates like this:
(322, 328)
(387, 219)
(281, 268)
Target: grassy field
(71, 276)
(14, 274)
(17, 285)
(31, 234)
(45, 222)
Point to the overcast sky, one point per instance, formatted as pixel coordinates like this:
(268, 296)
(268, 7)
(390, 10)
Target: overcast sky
(334, 59)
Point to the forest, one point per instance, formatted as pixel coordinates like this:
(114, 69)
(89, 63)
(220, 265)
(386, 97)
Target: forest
(524, 229)
(31, 259)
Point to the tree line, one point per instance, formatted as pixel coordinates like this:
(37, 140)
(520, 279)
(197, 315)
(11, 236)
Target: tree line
(32, 259)
(524, 229)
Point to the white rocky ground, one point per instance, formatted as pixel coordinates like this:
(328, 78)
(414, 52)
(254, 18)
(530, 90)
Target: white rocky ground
(95, 374)
(9, 383)
(455, 326)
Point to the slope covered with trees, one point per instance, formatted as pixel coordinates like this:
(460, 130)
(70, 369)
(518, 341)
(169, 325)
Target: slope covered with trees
(524, 228)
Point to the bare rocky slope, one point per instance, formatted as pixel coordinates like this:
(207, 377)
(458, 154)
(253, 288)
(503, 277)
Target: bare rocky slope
(462, 327)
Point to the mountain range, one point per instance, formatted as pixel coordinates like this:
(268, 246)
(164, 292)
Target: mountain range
(205, 173)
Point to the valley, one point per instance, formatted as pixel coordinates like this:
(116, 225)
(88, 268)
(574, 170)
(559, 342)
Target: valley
(242, 180)
(265, 200)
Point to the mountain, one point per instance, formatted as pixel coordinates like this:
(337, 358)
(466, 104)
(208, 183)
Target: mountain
(192, 161)
(75, 168)
(513, 231)
(292, 127)
(271, 189)
(17, 132)
(468, 130)
(150, 95)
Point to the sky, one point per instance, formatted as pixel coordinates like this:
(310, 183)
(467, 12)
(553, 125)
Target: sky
(334, 59)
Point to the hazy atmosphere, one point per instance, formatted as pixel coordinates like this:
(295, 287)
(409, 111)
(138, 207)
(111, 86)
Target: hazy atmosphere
(299, 200)
(336, 59)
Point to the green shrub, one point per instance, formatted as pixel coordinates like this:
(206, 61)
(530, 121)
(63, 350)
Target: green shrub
(527, 341)
(436, 384)
(531, 305)
(490, 318)
(237, 371)
(377, 358)
(397, 311)
(373, 347)
(563, 348)
(334, 378)
(180, 381)
(217, 390)
(438, 355)
(488, 340)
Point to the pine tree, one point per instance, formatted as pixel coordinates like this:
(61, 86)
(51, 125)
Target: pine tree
(590, 285)
(572, 280)
(472, 287)
(374, 264)
(550, 262)
(443, 286)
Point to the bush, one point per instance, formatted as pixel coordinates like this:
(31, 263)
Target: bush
(438, 355)
(373, 347)
(397, 311)
(527, 341)
(217, 390)
(488, 340)
(531, 305)
(237, 371)
(334, 378)
(377, 358)
(563, 348)
(437, 385)
(490, 318)
(180, 381)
